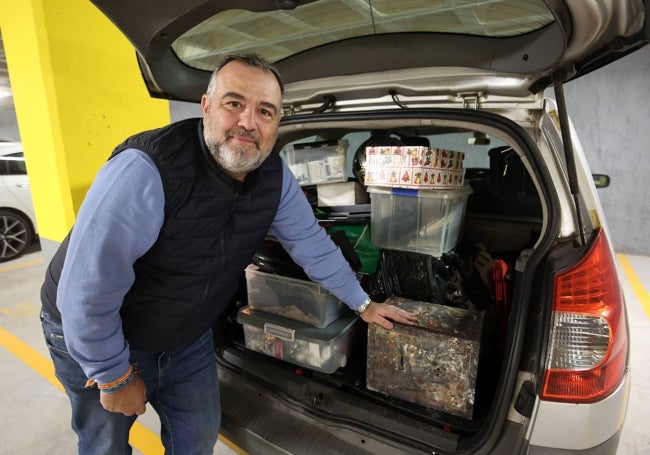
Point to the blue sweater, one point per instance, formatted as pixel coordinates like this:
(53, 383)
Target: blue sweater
(119, 221)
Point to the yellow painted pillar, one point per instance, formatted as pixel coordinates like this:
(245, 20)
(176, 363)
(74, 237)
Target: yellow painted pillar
(78, 93)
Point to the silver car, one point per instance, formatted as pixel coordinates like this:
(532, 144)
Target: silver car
(17, 220)
(547, 371)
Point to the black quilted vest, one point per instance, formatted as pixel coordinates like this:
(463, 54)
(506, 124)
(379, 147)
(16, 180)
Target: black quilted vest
(213, 227)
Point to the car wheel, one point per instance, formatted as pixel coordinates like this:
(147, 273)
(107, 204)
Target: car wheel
(15, 234)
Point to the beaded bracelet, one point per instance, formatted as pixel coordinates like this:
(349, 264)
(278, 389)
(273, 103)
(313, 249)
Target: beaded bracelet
(117, 384)
(121, 385)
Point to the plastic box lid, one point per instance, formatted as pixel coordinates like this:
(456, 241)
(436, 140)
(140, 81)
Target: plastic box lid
(435, 193)
(290, 329)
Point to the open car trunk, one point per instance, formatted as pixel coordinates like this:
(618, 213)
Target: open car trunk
(453, 395)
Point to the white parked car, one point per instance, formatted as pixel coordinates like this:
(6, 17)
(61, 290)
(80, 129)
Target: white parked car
(17, 221)
(549, 365)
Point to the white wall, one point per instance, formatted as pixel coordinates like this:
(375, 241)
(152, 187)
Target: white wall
(610, 109)
(8, 124)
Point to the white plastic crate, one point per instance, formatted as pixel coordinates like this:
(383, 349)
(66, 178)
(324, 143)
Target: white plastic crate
(318, 162)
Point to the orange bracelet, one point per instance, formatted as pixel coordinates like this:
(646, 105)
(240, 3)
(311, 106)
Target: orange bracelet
(109, 385)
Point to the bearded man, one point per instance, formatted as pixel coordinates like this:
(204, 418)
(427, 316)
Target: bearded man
(165, 231)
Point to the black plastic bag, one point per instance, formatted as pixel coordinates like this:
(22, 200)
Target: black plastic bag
(408, 274)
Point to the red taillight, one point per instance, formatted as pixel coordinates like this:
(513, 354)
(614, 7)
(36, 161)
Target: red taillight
(589, 341)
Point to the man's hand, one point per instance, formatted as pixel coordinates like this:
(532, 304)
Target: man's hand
(128, 400)
(382, 314)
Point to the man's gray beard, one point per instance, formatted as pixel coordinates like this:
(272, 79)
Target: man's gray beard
(233, 160)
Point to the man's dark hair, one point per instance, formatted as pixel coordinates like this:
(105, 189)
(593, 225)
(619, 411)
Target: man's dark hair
(250, 59)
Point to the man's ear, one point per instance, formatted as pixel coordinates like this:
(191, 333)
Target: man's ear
(205, 104)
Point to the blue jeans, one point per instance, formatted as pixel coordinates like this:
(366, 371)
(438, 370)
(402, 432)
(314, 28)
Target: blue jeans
(182, 386)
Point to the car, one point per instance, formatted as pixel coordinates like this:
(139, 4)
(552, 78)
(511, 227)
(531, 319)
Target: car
(519, 247)
(18, 229)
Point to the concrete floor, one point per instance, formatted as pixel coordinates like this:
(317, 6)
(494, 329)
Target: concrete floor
(35, 415)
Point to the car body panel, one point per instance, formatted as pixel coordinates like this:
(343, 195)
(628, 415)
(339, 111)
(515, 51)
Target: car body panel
(18, 226)
(564, 38)
(15, 192)
(555, 426)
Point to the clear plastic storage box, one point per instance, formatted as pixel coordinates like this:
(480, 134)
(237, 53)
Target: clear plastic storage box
(317, 162)
(424, 221)
(300, 300)
(323, 349)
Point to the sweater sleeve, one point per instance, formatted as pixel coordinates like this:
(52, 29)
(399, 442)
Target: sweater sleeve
(118, 222)
(311, 247)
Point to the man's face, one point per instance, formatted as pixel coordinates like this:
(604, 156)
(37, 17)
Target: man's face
(241, 118)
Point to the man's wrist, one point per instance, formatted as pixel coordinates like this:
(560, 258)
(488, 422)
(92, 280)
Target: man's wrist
(117, 384)
(364, 306)
(103, 388)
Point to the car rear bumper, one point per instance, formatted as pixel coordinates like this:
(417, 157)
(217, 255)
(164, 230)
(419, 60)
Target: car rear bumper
(580, 428)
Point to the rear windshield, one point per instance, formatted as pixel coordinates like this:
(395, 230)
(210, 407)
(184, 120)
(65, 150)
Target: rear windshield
(281, 33)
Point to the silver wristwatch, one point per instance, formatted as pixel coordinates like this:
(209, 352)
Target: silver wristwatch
(364, 306)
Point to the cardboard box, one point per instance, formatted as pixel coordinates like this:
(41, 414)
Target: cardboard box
(341, 194)
(414, 167)
(433, 364)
